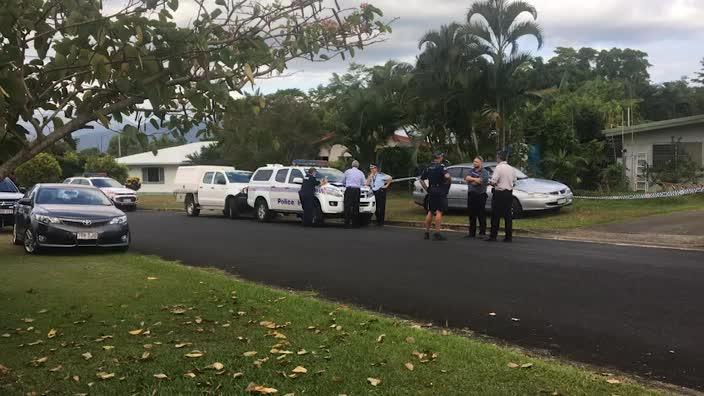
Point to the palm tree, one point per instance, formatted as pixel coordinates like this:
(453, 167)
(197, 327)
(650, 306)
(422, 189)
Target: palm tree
(496, 26)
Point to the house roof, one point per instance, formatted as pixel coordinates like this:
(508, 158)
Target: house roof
(177, 155)
(656, 126)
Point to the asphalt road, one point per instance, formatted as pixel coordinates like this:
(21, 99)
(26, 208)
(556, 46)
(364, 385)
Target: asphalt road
(635, 309)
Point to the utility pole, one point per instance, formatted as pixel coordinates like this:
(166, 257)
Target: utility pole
(119, 146)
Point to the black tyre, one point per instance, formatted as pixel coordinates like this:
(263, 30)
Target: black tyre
(15, 239)
(318, 216)
(191, 207)
(231, 209)
(365, 219)
(262, 210)
(30, 242)
(516, 209)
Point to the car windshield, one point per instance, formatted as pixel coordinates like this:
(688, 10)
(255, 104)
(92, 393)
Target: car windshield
(238, 177)
(333, 175)
(104, 183)
(71, 196)
(7, 186)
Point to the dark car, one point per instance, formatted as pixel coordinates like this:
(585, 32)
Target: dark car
(9, 195)
(62, 215)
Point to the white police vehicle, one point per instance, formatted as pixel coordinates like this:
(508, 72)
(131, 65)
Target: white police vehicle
(274, 188)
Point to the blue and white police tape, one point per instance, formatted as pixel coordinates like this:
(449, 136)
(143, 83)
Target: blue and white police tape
(655, 195)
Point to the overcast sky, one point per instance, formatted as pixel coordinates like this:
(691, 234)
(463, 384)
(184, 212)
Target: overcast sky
(670, 31)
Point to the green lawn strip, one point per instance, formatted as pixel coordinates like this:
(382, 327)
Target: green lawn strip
(94, 301)
(159, 202)
(400, 207)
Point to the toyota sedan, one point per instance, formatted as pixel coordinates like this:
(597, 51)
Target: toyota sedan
(61, 215)
(529, 194)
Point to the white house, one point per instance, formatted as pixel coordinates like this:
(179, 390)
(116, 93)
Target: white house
(655, 144)
(157, 172)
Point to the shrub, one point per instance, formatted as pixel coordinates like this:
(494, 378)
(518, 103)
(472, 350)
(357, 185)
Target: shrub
(106, 164)
(43, 168)
(133, 183)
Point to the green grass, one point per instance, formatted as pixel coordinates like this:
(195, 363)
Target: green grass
(159, 202)
(94, 301)
(582, 213)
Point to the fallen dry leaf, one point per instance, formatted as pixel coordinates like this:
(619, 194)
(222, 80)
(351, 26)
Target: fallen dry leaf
(152, 278)
(76, 378)
(189, 375)
(513, 365)
(5, 335)
(136, 331)
(237, 375)
(104, 376)
(51, 334)
(374, 381)
(108, 347)
(37, 342)
(302, 352)
(27, 320)
(39, 361)
(410, 340)
(194, 354)
(261, 389)
(217, 366)
(381, 338)
(145, 355)
(183, 345)
(87, 355)
(613, 381)
(299, 370)
(178, 310)
(409, 365)
(527, 365)
(57, 368)
(161, 376)
(249, 353)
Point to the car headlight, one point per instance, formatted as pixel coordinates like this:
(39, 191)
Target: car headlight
(46, 219)
(332, 191)
(119, 220)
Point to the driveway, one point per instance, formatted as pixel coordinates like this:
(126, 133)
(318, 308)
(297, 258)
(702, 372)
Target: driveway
(636, 309)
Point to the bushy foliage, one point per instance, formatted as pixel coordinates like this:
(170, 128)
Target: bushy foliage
(43, 168)
(107, 164)
(133, 183)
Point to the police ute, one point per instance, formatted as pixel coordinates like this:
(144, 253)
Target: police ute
(274, 188)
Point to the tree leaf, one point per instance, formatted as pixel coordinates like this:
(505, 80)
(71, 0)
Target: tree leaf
(409, 366)
(260, 389)
(299, 370)
(248, 72)
(51, 334)
(161, 376)
(374, 381)
(136, 332)
(194, 354)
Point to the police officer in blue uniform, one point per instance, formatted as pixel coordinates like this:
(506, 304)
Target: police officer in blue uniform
(436, 181)
(307, 196)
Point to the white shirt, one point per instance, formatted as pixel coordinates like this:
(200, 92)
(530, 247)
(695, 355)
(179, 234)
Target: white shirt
(504, 177)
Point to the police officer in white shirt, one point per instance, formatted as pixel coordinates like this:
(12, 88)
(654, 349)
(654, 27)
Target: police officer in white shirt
(503, 180)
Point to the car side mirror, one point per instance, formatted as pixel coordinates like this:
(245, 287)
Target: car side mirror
(25, 201)
(22, 190)
(297, 180)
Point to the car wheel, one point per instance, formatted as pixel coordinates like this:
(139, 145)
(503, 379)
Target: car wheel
(231, 209)
(365, 219)
(15, 239)
(318, 216)
(263, 212)
(30, 242)
(516, 209)
(191, 209)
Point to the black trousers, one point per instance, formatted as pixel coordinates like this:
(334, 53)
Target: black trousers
(380, 196)
(501, 202)
(352, 196)
(476, 203)
(308, 204)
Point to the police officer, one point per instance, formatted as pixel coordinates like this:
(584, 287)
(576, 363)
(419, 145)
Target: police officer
(307, 196)
(436, 181)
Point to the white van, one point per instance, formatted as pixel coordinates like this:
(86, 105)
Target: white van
(221, 188)
(274, 189)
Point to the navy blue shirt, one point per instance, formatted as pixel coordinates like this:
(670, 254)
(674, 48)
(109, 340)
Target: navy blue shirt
(438, 183)
(309, 185)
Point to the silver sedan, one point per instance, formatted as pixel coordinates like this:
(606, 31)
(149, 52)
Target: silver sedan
(529, 194)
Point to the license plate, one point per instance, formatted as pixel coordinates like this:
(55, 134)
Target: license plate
(127, 199)
(87, 235)
(6, 211)
(562, 201)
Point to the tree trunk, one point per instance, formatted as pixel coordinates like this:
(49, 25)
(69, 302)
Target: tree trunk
(37, 146)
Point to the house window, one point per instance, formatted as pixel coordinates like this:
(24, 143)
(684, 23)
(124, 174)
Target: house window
(666, 153)
(153, 175)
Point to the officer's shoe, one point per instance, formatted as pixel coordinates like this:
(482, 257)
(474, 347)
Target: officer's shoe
(426, 236)
(439, 237)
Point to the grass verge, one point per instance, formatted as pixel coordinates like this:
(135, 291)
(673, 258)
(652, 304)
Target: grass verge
(113, 324)
(582, 213)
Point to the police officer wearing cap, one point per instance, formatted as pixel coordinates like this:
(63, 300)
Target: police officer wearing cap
(307, 196)
(379, 183)
(436, 181)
